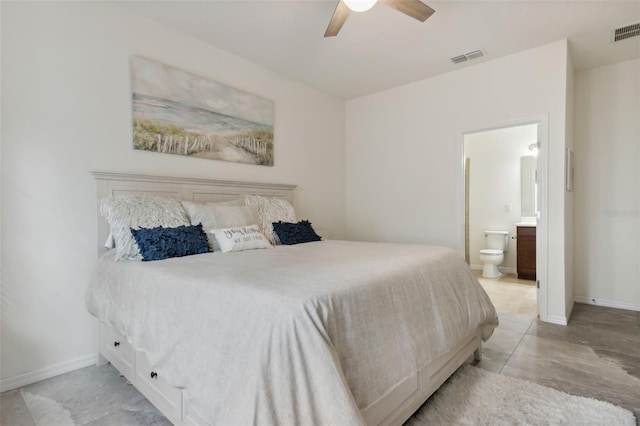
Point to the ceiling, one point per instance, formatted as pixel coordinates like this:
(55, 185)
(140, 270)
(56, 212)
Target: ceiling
(382, 48)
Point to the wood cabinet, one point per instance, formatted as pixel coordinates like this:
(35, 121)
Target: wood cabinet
(526, 238)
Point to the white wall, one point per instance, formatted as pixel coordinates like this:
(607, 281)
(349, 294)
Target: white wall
(607, 185)
(404, 155)
(66, 110)
(494, 182)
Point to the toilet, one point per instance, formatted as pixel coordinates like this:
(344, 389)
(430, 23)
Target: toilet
(493, 255)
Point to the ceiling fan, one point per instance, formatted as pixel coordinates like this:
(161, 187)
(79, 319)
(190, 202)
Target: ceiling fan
(414, 8)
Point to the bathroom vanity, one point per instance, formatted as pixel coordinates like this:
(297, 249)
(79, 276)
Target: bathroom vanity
(526, 252)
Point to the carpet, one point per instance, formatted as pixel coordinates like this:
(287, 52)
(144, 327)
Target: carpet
(473, 396)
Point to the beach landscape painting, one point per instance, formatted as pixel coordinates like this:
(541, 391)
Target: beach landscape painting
(175, 112)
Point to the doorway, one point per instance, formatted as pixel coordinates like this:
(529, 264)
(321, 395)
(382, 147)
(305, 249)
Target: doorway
(503, 189)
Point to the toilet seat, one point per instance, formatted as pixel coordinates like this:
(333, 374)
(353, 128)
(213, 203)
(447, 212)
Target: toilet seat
(491, 252)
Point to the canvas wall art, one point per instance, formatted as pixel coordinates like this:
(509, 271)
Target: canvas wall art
(175, 112)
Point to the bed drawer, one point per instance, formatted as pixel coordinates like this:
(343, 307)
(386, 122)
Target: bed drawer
(164, 396)
(117, 350)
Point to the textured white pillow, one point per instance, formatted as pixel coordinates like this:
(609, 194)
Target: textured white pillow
(124, 212)
(240, 238)
(270, 209)
(217, 216)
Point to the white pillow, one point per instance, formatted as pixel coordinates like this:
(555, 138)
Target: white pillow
(240, 238)
(270, 209)
(124, 212)
(216, 216)
(188, 204)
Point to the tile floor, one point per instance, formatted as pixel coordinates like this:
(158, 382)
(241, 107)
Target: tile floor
(510, 294)
(596, 355)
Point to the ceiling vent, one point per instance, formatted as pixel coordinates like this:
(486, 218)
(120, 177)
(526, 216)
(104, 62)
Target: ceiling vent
(459, 59)
(628, 31)
(468, 56)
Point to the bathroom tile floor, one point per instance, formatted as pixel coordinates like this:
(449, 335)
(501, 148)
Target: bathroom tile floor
(596, 355)
(510, 294)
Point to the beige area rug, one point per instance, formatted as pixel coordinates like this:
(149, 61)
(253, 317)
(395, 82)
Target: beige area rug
(474, 396)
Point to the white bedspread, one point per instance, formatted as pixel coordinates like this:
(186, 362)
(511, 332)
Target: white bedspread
(304, 334)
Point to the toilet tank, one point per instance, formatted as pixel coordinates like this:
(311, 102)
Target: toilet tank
(496, 240)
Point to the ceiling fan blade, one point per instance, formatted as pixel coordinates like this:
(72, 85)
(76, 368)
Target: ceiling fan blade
(337, 20)
(414, 8)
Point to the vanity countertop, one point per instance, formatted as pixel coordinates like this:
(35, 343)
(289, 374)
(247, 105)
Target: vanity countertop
(530, 224)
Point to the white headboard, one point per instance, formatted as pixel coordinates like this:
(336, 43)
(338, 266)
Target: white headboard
(183, 189)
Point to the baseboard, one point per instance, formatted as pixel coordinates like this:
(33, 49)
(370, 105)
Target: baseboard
(30, 377)
(557, 319)
(607, 303)
(573, 303)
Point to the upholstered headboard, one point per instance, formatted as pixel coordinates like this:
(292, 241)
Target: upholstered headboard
(183, 189)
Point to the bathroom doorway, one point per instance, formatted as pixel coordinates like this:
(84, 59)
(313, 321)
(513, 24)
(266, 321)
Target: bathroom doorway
(504, 170)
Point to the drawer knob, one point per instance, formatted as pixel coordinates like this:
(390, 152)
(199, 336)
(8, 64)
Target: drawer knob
(116, 343)
(154, 375)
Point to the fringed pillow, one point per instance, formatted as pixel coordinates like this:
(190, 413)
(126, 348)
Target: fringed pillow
(295, 233)
(270, 209)
(124, 212)
(162, 243)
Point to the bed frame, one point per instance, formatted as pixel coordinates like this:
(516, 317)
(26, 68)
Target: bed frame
(393, 409)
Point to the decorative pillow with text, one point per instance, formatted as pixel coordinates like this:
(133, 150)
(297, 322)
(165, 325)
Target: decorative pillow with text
(240, 238)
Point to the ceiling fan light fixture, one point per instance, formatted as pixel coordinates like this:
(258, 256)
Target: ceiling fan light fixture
(359, 5)
(413, 8)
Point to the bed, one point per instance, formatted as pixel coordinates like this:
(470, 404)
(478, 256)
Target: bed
(326, 332)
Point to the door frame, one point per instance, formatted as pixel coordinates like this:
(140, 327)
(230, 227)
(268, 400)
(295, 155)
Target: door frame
(543, 179)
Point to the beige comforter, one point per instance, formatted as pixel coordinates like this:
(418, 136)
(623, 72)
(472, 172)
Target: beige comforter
(304, 334)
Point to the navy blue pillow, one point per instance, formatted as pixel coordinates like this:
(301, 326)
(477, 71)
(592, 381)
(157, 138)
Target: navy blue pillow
(295, 233)
(162, 243)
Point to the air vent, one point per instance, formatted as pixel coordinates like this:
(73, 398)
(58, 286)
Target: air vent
(475, 54)
(459, 59)
(626, 32)
(468, 56)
